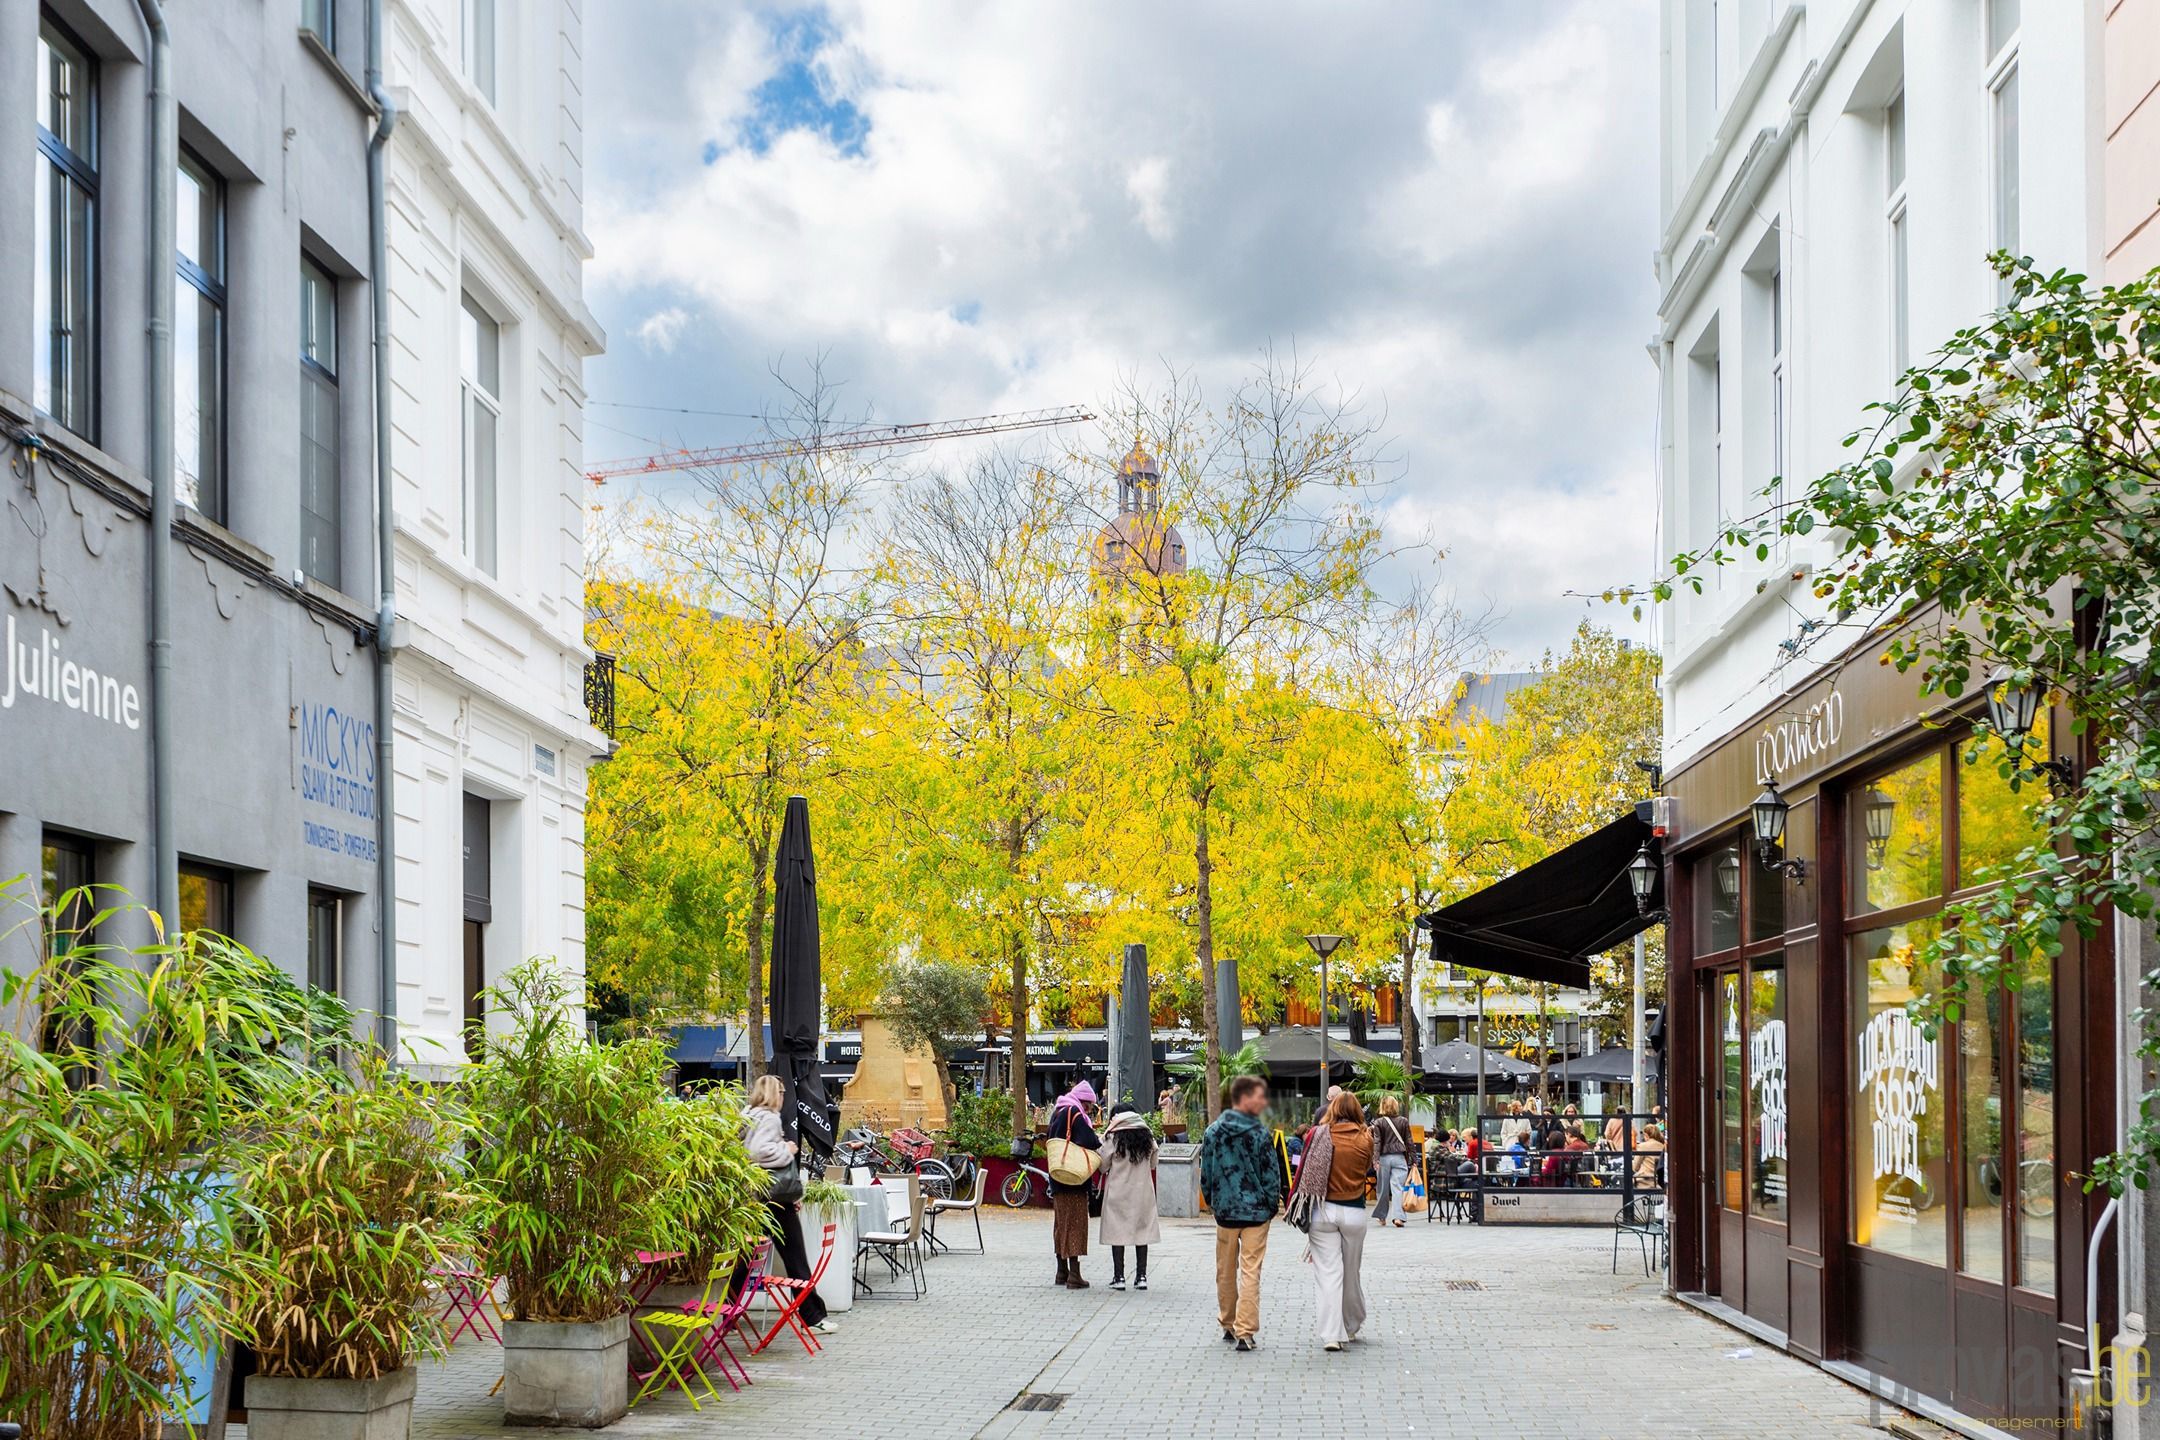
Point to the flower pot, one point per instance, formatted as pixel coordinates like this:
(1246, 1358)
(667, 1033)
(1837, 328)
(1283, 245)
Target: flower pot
(837, 1287)
(378, 1409)
(565, 1374)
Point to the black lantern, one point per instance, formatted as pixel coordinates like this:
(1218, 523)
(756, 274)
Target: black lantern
(1642, 877)
(1879, 810)
(2012, 706)
(1768, 817)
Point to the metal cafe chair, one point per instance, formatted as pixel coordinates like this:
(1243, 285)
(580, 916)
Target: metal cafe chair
(901, 1250)
(1642, 1217)
(971, 1207)
(676, 1351)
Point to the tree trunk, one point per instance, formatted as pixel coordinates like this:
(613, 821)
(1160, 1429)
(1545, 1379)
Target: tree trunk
(1413, 1043)
(1210, 1016)
(1022, 1119)
(754, 1044)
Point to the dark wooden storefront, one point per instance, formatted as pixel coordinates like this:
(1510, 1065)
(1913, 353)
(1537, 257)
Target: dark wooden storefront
(1887, 1205)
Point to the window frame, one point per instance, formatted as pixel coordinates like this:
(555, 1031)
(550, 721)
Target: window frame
(321, 901)
(472, 391)
(2005, 100)
(213, 288)
(314, 372)
(220, 894)
(80, 171)
(325, 33)
(476, 60)
(1897, 221)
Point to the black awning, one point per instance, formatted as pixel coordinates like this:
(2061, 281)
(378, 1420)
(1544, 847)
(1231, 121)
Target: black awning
(1546, 920)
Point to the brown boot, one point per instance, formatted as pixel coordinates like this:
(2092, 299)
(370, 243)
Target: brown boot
(1064, 1270)
(1073, 1280)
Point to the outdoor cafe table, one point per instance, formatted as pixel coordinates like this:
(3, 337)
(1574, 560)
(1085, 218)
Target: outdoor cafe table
(653, 1270)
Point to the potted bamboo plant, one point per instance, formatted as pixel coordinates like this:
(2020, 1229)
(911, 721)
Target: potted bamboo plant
(570, 1169)
(355, 1193)
(132, 1085)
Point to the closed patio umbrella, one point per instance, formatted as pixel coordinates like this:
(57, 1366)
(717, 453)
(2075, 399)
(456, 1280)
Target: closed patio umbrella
(795, 984)
(1453, 1065)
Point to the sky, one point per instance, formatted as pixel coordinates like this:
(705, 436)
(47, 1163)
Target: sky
(1448, 208)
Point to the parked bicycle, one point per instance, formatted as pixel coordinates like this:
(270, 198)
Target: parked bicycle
(913, 1151)
(1019, 1187)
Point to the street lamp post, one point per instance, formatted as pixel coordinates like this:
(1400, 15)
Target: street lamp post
(1323, 946)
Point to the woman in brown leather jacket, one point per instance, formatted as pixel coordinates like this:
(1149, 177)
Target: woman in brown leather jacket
(1338, 1164)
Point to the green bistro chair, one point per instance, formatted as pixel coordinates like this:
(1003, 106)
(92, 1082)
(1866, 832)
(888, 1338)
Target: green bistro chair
(676, 1337)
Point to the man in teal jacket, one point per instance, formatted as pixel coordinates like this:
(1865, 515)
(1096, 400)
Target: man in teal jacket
(1243, 1180)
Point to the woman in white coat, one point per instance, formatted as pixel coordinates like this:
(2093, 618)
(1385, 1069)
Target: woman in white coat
(1129, 1216)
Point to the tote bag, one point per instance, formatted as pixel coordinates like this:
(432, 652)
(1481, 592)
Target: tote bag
(1071, 1164)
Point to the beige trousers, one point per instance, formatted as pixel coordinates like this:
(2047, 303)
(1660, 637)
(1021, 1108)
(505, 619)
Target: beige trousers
(1239, 1249)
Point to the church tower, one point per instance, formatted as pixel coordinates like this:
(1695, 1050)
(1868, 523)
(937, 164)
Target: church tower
(1137, 539)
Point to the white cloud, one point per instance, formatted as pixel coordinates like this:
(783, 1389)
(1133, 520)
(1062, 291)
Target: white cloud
(657, 331)
(1448, 205)
(1148, 183)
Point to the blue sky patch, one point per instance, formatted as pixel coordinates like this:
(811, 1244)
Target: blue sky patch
(967, 312)
(795, 96)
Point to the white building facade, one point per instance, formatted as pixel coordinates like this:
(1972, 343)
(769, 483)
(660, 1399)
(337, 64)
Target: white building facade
(1834, 176)
(493, 736)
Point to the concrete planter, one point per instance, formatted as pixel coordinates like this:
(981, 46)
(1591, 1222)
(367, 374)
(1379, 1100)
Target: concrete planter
(837, 1288)
(379, 1409)
(574, 1375)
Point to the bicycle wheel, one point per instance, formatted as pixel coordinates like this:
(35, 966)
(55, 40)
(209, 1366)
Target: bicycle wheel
(1018, 1189)
(2036, 1188)
(935, 1177)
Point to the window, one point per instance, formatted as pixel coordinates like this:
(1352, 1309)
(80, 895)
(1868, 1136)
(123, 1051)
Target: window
(2003, 18)
(325, 940)
(63, 296)
(1777, 387)
(199, 340)
(1900, 240)
(1766, 1086)
(481, 348)
(321, 487)
(319, 18)
(206, 899)
(69, 873)
(479, 46)
(1739, 912)
(1953, 1134)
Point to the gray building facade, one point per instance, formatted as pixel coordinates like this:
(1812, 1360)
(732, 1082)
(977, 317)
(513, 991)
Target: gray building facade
(272, 701)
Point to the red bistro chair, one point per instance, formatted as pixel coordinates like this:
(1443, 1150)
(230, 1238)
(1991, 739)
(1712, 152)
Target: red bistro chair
(790, 1294)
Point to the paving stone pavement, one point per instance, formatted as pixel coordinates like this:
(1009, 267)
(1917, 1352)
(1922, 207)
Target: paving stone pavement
(1551, 1344)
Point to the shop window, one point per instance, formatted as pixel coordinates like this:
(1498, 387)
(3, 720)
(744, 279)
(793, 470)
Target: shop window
(1732, 1133)
(63, 291)
(69, 872)
(206, 899)
(1954, 1134)
(1899, 1182)
(1718, 878)
(1765, 900)
(1766, 1088)
(1896, 837)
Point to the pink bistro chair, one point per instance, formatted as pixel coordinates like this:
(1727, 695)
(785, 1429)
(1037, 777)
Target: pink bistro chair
(465, 1293)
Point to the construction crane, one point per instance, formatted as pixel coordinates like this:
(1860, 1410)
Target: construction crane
(859, 437)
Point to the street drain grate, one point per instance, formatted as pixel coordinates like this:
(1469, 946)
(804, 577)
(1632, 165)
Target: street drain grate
(1042, 1400)
(1466, 1285)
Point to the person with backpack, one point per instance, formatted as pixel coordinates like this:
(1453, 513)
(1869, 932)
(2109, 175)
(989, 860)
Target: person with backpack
(1391, 1163)
(1241, 1174)
(1075, 1155)
(1129, 1213)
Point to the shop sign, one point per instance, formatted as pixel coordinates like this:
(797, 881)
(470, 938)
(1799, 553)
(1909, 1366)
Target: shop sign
(1802, 740)
(1766, 1063)
(38, 667)
(337, 780)
(1899, 1071)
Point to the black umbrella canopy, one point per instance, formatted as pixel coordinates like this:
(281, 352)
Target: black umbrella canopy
(1458, 1059)
(1608, 1067)
(1294, 1051)
(795, 984)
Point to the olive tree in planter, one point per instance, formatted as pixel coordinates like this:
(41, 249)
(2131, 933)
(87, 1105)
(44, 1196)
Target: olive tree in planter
(715, 1210)
(132, 1085)
(570, 1166)
(355, 1192)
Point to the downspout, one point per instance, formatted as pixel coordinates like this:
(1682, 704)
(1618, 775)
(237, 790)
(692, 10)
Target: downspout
(386, 118)
(164, 183)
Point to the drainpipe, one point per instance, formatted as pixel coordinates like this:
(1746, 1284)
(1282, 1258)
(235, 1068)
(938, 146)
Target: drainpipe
(386, 117)
(164, 169)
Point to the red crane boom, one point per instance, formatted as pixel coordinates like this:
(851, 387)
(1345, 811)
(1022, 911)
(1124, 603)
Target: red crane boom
(861, 437)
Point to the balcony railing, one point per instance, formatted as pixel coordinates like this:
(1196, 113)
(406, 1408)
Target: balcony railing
(600, 693)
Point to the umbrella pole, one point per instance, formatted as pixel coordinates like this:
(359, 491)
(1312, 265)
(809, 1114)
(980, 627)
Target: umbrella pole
(1479, 1119)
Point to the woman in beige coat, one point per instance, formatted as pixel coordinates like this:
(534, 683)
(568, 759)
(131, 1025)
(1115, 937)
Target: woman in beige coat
(1129, 1216)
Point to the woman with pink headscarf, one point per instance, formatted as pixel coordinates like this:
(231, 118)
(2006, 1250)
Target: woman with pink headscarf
(1069, 1202)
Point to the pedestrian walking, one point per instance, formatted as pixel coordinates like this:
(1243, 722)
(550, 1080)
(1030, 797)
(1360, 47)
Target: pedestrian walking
(1069, 1188)
(1172, 1106)
(1392, 1151)
(1241, 1173)
(1337, 1166)
(1129, 1214)
(765, 1137)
